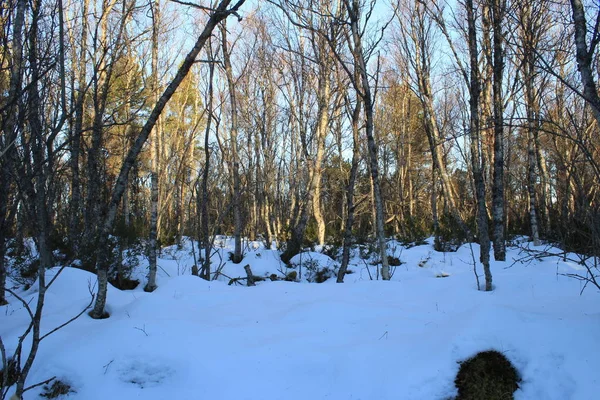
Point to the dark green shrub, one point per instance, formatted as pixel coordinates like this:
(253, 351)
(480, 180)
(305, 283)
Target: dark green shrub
(488, 375)
(12, 372)
(450, 235)
(124, 259)
(333, 250)
(321, 275)
(23, 262)
(394, 261)
(291, 276)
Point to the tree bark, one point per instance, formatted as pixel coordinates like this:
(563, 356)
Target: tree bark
(474, 128)
(9, 136)
(235, 162)
(155, 151)
(416, 30)
(76, 132)
(36, 193)
(498, 10)
(364, 91)
(585, 56)
(324, 96)
(205, 270)
(347, 241)
(531, 182)
(529, 49)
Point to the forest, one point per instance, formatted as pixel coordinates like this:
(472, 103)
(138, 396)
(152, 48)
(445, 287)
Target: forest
(133, 126)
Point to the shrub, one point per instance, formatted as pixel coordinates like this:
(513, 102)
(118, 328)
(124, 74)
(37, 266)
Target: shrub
(394, 261)
(291, 276)
(450, 235)
(12, 372)
(333, 251)
(312, 271)
(23, 262)
(488, 375)
(58, 388)
(124, 259)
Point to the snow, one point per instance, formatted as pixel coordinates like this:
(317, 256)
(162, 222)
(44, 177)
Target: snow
(365, 339)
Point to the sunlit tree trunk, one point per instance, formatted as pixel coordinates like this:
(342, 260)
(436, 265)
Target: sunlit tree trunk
(498, 8)
(474, 128)
(235, 162)
(364, 91)
(203, 193)
(155, 151)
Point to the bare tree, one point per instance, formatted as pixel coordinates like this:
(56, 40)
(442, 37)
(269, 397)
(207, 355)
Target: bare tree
(532, 19)
(498, 9)
(347, 240)
(416, 42)
(203, 192)
(235, 162)
(585, 55)
(155, 151)
(363, 88)
(76, 130)
(472, 78)
(218, 14)
(10, 122)
(474, 128)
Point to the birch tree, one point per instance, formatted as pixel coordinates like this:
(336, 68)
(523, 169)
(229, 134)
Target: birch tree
(498, 10)
(216, 15)
(585, 54)
(8, 139)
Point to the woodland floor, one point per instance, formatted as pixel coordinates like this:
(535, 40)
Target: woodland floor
(365, 339)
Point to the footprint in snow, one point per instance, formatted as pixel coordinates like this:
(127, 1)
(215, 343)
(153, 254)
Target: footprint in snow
(144, 372)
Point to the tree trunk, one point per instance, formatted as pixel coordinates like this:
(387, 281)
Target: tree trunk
(416, 30)
(347, 241)
(205, 235)
(9, 136)
(498, 11)
(235, 163)
(364, 91)
(101, 83)
(155, 151)
(585, 57)
(313, 194)
(529, 50)
(35, 194)
(76, 132)
(531, 181)
(324, 94)
(474, 127)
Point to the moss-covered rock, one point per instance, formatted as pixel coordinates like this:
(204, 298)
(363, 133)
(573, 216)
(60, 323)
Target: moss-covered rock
(488, 375)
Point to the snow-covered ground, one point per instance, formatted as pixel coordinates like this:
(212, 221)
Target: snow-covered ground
(365, 339)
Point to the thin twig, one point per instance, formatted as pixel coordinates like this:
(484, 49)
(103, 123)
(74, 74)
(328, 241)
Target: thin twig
(39, 384)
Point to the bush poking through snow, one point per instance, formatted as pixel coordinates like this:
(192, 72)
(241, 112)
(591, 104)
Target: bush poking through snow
(292, 276)
(488, 375)
(124, 283)
(394, 261)
(58, 388)
(11, 370)
(321, 275)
